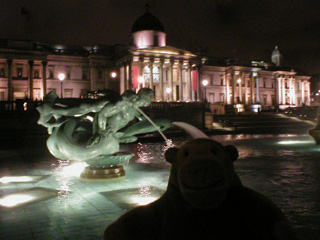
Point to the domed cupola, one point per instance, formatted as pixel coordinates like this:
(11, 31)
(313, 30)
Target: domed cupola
(148, 31)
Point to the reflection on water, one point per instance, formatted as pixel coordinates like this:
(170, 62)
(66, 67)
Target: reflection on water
(286, 168)
(64, 180)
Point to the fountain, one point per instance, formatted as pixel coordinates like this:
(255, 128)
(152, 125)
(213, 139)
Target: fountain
(91, 130)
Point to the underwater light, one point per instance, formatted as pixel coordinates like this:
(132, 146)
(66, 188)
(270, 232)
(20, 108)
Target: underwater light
(27, 196)
(21, 179)
(142, 200)
(16, 199)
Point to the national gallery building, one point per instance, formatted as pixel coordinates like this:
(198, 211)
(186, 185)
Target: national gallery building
(30, 70)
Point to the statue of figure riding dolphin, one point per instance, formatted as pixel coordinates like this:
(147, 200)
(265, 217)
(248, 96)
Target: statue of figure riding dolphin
(92, 130)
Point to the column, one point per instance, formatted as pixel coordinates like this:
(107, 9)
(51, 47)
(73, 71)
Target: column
(302, 92)
(92, 78)
(240, 87)
(189, 82)
(245, 88)
(290, 90)
(277, 94)
(122, 79)
(199, 93)
(130, 75)
(233, 87)
(125, 79)
(30, 80)
(171, 79)
(161, 90)
(251, 89)
(151, 74)
(141, 72)
(180, 82)
(227, 91)
(44, 78)
(9, 80)
(283, 91)
(294, 100)
(308, 93)
(258, 89)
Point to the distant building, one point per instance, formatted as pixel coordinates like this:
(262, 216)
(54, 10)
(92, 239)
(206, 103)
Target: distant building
(30, 70)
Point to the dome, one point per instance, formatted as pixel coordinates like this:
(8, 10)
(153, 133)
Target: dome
(147, 22)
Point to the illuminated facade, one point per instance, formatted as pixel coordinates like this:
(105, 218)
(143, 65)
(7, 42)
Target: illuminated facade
(30, 70)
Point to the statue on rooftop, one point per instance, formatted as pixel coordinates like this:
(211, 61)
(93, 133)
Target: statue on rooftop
(91, 130)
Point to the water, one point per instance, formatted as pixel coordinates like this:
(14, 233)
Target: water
(286, 168)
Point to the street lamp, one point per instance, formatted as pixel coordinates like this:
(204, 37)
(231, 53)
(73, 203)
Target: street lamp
(113, 74)
(168, 90)
(61, 77)
(205, 83)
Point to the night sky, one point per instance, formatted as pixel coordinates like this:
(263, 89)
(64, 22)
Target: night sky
(241, 29)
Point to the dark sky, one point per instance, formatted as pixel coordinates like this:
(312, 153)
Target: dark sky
(243, 29)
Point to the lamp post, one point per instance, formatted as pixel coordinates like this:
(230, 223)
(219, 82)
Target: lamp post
(168, 90)
(205, 83)
(61, 77)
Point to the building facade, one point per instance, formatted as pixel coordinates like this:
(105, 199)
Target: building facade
(30, 70)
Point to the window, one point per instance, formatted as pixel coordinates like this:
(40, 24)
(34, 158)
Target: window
(36, 73)
(221, 80)
(52, 90)
(221, 97)
(264, 83)
(211, 79)
(99, 74)
(265, 99)
(1, 96)
(19, 72)
(68, 74)
(155, 40)
(68, 93)
(2, 72)
(84, 74)
(50, 73)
